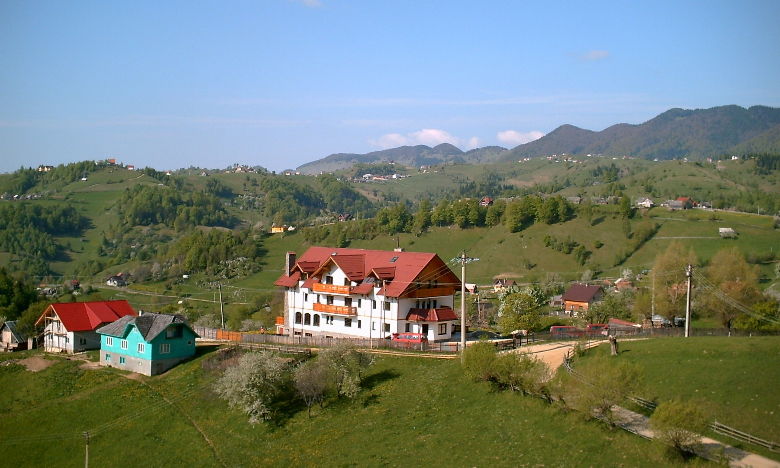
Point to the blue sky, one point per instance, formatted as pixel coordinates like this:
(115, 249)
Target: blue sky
(278, 83)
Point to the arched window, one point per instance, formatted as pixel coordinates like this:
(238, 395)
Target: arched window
(297, 317)
(307, 319)
(316, 322)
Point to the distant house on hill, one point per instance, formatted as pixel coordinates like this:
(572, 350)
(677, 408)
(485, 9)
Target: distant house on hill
(502, 284)
(574, 200)
(117, 280)
(148, 344)
(727, 233)
(687, 202)
(644, 202)
(579, 297)
(45, 168)
(70, 326)
(10, 338)
(486, 201)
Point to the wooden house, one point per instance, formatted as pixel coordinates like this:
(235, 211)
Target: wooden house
(10, 338)
(148, 344)
(70, 326)
(579, 297)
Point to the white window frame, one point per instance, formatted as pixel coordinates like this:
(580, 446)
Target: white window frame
(123, 344)
(109, 341)
(165, 348)
(141, 348)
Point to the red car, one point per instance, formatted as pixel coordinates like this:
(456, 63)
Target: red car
(410, 339)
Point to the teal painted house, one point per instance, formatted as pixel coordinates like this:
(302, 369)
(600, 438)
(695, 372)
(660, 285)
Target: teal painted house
(149, 344)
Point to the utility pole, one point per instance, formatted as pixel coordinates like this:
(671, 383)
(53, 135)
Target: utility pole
(688, 274)
(86, 450)
(652, 299)
(221, 309)
(463, 259)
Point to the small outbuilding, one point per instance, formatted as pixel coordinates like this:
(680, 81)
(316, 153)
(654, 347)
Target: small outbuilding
(10, 338)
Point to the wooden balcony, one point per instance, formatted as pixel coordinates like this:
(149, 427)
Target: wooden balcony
(331, 289)
(334, 309)
(433, 292)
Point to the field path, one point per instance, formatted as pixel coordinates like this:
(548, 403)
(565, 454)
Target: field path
(553, 354)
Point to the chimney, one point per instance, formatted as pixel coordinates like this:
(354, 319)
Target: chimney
(398, 249)
(289, 263)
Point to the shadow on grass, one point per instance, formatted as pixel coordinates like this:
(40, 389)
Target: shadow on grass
(597, 221)
(371, 381)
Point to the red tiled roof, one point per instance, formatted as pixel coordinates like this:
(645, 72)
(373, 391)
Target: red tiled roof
(431, 315)
(352, 265)
(288, 281)
(581, 293)
(409, 267)
(384, 273)
(86, 316)
(363, 288)
(310, 282)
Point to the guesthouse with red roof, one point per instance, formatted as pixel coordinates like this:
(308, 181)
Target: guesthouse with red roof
(579, 297)
(70, 326)
(339, 292)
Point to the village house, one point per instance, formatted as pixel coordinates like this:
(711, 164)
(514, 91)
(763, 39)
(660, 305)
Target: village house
(345, 292)
(579, 297)
(502, 284)
(148, 344)
(10, 338)
(644, 202)
(70, 326)
(118, 280)
(486, 201)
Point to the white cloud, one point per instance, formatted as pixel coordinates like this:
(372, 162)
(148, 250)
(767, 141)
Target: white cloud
(512, 137)
(594, 55)
(391, 140)
(433, 137)
(426, 136)
(473, 143)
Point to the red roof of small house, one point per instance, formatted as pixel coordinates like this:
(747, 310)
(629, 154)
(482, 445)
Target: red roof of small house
(400, 271)
(431, 315)
(86, 316)
(310, 282)
(288, 281)
(363, 288)
(581, 293)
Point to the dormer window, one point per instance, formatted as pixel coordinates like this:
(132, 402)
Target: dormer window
(328, 280)
(173, 332)
(393, 260)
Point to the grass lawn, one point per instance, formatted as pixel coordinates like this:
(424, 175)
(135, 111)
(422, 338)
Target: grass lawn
(737, 377)
(411, 411)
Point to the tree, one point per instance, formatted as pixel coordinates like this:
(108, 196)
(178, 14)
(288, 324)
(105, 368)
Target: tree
(520, 310)
(600, 383)
(254, 384)
(346, 365)
(670, 280)
(615, 305)
(422, 218)
(679, 424)
(312, 380)
(737, 283)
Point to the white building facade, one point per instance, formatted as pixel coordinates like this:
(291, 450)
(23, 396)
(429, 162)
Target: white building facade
(368, 294)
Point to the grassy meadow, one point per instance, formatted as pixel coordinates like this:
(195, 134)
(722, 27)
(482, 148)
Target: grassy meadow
(734, 377)
(411, 411)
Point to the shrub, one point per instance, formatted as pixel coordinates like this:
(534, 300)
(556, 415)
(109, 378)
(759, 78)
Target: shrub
(521, 373)
(679, 423)
(479, 360)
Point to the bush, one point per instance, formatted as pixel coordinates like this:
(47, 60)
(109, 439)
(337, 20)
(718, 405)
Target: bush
(600, 383)
(521, 373)
(346, 365)
(479, 361)
(679, 424)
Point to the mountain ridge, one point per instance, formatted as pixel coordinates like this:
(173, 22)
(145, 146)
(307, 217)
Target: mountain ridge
(673, 134)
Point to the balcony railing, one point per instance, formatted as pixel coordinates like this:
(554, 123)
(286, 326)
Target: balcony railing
(331, 288)
(433, 292)
(334, 309)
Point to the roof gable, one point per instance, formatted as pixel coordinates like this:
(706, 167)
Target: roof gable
(401, 271)
(87, 316)
(149, 325)
(581, 293)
